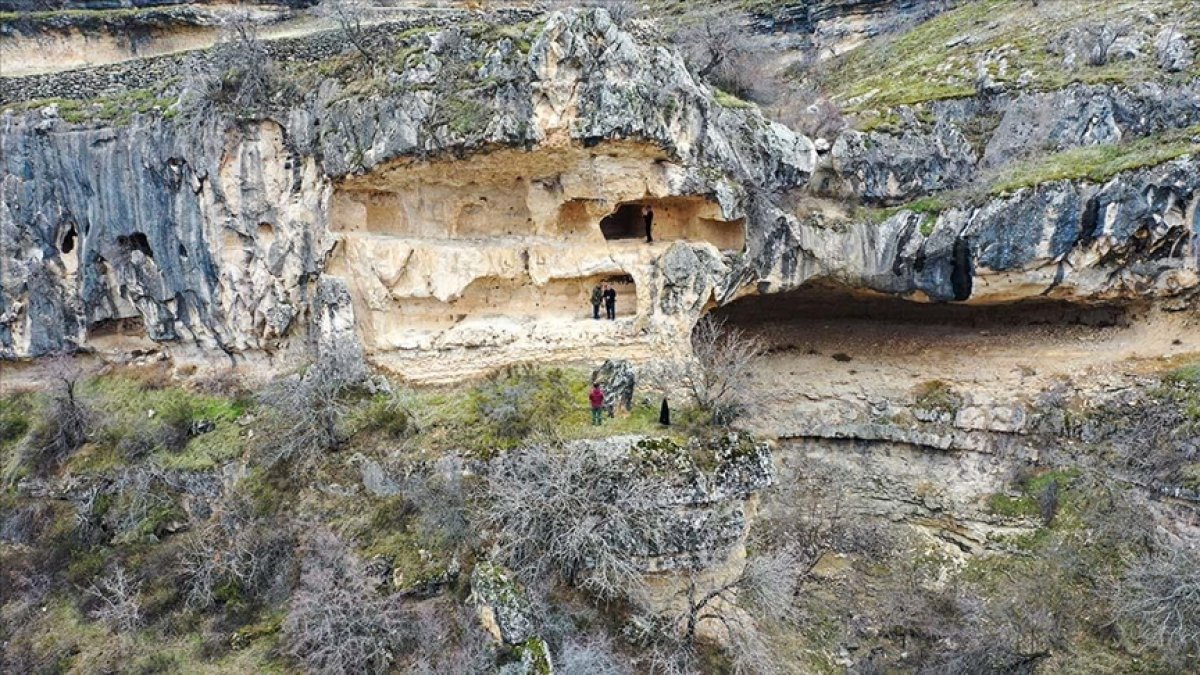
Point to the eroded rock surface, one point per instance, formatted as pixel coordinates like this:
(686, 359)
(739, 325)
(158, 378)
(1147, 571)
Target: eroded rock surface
(465, 226)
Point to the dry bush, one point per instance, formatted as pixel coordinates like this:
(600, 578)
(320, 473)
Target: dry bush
(518, 403)
(310, 408)
(443, 497)
(764, 591)
(338, 622)
(64, 420)
(718, 49)
(350, 15)
(116, 601)
(1160, 598)
(451, 640)
(571, 516)
(236, 74)
(591, 655)
(240, 557)
(719, 377)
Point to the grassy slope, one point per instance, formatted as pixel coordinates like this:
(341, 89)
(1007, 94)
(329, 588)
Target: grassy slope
(937, 59)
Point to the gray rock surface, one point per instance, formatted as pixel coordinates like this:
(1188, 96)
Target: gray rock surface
(885, 168)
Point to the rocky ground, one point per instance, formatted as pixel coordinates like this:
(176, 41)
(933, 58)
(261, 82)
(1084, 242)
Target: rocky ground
(295, 338)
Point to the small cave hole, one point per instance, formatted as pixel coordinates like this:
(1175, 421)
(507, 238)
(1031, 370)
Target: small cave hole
(627, 222)
(136, 242)
(68, 242)
(182, 251)
(266, 230)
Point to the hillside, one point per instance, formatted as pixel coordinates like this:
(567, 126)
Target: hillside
(301, 306)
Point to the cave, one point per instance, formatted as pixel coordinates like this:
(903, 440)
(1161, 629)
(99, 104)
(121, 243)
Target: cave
(626, 222)
(687, 218)
(824, 304)
(136, 241)
(68, 242)
(509, 300)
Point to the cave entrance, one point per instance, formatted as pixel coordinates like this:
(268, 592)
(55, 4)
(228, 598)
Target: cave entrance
(626, 222)
(687, 218)
(497, 301)
(824, 303)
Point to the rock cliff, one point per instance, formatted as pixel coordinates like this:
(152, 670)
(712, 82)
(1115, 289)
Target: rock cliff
(470, 203)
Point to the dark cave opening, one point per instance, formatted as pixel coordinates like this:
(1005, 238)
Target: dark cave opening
(68, 242)
(136, 241)
(821, 303)
(627, 222)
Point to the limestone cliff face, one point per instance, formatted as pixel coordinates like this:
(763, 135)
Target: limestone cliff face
(458, 228)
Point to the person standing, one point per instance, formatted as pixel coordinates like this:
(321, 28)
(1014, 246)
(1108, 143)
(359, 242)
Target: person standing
(597, 298)
(610, 302)
(596, 398)
(648, 216)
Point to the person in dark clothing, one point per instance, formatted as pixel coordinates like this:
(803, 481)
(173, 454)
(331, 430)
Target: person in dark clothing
(648, 215)
(664, 414)
(597, 298)
(610, 302)
(596, 398)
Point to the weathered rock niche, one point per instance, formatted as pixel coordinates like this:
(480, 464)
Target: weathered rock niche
(457, 266)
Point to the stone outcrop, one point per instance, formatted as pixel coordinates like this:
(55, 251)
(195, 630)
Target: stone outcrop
(455, 220)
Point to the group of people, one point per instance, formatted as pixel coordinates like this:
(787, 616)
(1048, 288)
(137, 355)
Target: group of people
(607, 295)
(598, 399)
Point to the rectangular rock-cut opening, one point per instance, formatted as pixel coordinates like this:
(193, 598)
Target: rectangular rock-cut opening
(673, 219)
(507, 301)
(435, 211)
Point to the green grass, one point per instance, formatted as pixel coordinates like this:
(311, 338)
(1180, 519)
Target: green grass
(1025, 503)
(117, 109)
(727, 100)
(1098, 163)
(123, 404)
(932, 62)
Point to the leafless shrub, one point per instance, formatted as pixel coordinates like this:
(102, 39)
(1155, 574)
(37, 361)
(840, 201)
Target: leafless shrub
(1094, 41)
(621, 11)
(338, 622)
(349, 15)
(141, 500)
(450, 640)
(238, 73)
(764, 591)
(117, 603)
(1160, 598)
(805, 110)
(64, 419)
(310, 407)
(590, 655)
(571, 515)
(251, 556)
(719, 377)
(717, 47)
(443, 499)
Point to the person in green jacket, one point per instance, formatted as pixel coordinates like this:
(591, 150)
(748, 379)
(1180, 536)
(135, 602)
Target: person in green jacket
(597, 298)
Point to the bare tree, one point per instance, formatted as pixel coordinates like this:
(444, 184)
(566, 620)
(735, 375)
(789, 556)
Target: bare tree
(719, 376)
(1161, 599)
(338, 622)
(765, 587)
(310, 407)
(572, 515)
(349, 15)
(1097, 41)
(64, 420)
(237, 73)
(118, 606)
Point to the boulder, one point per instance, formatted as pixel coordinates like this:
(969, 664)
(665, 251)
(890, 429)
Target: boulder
(617, 379)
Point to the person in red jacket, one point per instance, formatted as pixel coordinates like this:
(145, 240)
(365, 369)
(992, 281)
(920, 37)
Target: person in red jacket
(597, 400)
